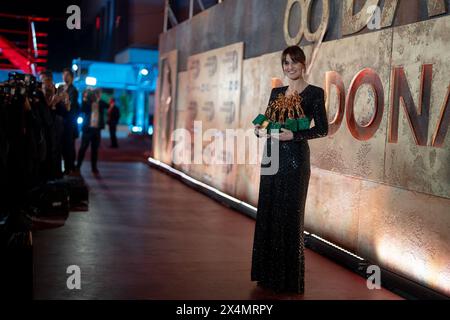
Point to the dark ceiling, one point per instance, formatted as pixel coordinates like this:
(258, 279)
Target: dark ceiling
(64, 44)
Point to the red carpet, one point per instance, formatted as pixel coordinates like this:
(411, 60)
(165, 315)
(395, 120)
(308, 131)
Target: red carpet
(149, 236)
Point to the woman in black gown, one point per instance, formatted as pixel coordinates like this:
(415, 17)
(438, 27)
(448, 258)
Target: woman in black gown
(278, 261)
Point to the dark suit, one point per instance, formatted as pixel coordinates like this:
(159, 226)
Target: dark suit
(91, 135)
(70, 132)
(113, 120)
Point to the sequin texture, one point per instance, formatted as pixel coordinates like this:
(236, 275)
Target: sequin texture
(278, 261)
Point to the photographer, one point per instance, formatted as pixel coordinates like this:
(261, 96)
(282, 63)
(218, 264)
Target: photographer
(22, 155)
(93, 110)
(70, 133)
(31, 127)
(113, 121)
(23, 127)
(59, 107)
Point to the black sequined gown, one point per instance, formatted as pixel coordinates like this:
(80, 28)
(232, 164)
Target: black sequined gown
(278, 261)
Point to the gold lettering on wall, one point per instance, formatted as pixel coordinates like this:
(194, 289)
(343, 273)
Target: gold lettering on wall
(365, 132)
(400, 92)
(335, 79)
(389, 9)
(352, 23)
(443, 122)
(305, 7)
(323, 27)
(436, 7)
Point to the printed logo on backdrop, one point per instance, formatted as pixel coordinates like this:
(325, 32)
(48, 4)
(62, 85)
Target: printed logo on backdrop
(195, 68)
(211, 65)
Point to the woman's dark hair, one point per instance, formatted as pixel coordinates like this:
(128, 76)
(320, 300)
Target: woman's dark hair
(296, 54)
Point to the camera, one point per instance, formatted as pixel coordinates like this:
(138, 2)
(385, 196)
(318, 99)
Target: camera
(5, 89)
(20, 84)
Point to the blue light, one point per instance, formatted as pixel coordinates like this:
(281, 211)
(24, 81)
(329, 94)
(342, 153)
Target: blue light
(75, 67)
(140, 109)
(150, 130)
(136, 129)
(80, 120)
(144, 72)
(91, 81)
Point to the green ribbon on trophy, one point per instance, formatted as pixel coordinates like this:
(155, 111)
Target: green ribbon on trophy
(294, 125)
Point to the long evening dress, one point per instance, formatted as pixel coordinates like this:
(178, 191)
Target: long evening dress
(278, 261)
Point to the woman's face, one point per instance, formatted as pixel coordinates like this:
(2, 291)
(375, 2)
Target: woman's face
(293, 70)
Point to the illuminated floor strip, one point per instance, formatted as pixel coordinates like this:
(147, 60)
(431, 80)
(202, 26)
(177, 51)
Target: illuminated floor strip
(185, 176)
(199, 183)
(336, 246)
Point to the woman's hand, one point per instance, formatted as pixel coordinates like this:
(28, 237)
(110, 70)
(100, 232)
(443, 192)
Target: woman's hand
(284, 135)
(260, 132)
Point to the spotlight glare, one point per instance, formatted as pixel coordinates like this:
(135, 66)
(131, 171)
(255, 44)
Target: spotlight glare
(91, 81)
(144, 72)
